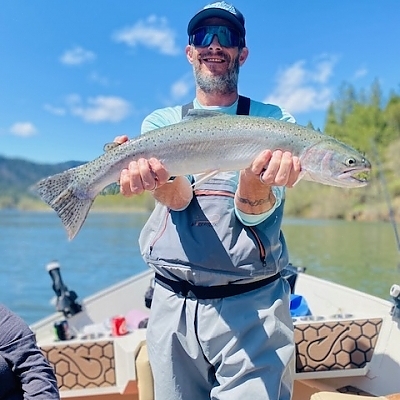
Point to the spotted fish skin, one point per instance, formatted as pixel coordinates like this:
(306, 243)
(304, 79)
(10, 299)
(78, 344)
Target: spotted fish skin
(204, 141)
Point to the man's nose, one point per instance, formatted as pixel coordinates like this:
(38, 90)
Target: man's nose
(215, 44)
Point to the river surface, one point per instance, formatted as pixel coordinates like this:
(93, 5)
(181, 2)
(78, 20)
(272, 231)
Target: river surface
(361, 255)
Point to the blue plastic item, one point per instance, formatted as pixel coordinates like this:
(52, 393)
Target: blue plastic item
(298, 306)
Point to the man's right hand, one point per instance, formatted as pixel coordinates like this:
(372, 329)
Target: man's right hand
(141, 175)
(151, 175)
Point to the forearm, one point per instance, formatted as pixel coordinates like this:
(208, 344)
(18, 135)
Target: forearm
(252, 196)
(175, 194)
(36, 376)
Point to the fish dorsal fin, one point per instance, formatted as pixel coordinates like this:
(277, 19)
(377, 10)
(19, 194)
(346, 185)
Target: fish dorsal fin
(200, 113)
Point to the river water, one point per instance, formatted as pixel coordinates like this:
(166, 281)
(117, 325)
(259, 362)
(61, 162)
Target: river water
(357, 254)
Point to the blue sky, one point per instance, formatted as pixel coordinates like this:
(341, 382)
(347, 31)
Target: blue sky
(74, 74)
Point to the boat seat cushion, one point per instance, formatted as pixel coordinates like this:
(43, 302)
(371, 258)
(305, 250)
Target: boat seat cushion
(342, 396)
(144, 375)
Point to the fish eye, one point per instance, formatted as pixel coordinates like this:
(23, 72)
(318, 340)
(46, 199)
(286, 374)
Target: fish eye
(350, 162)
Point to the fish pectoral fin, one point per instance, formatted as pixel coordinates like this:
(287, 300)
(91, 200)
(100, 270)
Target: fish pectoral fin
(204, 177)
(111, 189)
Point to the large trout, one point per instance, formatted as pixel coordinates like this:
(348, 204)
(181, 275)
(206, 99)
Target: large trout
(204, 142)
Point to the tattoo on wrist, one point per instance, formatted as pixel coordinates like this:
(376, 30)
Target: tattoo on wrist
(252, 203)
(270, 199)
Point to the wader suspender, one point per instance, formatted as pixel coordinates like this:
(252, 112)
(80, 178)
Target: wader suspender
(243, 107)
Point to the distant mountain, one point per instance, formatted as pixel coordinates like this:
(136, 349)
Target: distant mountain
(17, 175)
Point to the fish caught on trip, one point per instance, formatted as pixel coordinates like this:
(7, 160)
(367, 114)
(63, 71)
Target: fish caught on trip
(204, 142)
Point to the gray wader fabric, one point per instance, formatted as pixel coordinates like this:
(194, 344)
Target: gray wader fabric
(239, 347)
(236, 347)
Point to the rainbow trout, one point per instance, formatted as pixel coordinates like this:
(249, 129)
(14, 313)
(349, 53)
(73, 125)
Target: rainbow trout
(204, 142)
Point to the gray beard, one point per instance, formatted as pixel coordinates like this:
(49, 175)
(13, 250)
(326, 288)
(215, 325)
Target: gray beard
(223, 84)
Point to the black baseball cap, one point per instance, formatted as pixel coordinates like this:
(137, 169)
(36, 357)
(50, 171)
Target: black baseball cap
(219, 9)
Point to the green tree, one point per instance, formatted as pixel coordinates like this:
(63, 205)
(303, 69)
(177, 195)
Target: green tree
(392, 117)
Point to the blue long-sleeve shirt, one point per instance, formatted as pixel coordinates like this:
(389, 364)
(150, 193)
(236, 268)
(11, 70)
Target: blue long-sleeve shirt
(24, 371)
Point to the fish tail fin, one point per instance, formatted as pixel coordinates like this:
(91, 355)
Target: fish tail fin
(71, 204)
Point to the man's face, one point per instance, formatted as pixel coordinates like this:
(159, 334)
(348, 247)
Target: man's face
(216, 68)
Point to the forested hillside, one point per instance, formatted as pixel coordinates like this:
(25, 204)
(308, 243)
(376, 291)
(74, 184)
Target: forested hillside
(16, 176)
(369, 121)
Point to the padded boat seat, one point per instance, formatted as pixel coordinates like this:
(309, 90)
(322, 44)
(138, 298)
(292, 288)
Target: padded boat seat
(144, 375)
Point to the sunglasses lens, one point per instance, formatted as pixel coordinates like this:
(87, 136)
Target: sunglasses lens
(203, 36)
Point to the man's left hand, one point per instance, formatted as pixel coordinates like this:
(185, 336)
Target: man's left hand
(278, 168)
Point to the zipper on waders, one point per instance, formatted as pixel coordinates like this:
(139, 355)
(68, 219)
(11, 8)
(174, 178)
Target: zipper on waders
(206, 192)
(160, 232)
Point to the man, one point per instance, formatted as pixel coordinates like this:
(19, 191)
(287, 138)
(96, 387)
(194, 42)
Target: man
(24, 371)
(220, 324)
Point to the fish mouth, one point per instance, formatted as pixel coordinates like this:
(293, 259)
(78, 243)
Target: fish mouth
(362, 176)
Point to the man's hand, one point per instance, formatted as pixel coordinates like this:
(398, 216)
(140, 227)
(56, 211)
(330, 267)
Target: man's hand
(254, 194)
(141, 175)
(151, 175)
(276, 168)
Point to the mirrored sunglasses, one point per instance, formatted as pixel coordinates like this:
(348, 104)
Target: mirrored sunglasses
(227, 37)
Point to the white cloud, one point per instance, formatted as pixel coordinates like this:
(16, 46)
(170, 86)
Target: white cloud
(23, 129)
(154, 32)
(77, 56)
(55, 110)
(301, 88)
(99, 109)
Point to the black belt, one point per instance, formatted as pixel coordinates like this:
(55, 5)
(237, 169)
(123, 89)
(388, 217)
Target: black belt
(186, 289)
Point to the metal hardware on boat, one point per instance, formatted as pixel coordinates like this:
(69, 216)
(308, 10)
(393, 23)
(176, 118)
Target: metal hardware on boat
(312, 318)
(92, 336)
(342, 316)
(66, 299)
(395, 294)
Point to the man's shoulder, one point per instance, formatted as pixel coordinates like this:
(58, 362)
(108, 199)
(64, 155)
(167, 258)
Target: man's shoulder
(161, 117)
(259, 109)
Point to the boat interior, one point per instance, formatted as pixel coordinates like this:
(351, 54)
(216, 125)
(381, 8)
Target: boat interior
(347, 343)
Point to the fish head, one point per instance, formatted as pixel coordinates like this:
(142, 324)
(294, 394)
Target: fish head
(334, 163)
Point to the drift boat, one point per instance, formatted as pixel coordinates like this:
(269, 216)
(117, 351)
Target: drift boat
(347, 342)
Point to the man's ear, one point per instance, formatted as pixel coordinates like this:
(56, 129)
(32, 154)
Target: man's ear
(189, 53)
(243, 55)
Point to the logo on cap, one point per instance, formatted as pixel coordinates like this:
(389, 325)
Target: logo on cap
(223, 6)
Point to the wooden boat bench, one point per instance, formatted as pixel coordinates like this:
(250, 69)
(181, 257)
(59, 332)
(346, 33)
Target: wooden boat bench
(144, 375)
